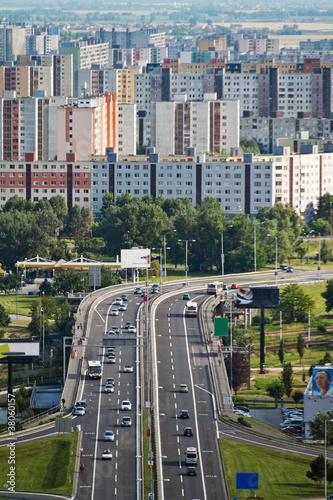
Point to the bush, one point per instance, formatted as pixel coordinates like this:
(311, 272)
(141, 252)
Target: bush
(243, 421)
(298, 396)
(321, 328)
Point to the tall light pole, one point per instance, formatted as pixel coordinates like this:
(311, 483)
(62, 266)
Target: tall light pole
(222, 251)
(165, 249)
(326, 458)
(129, 239)
(186, 252)
(276, 254)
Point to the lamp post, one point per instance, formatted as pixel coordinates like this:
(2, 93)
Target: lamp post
(42, 311)
(165, 249)
(316, 232)
(222, 251)
(255, 245)
(161, 267)
(326, 458)
(186, 252)
(129, 239)
(276, 254)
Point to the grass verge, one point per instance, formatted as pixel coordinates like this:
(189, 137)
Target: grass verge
(281, 475)
(45, 465)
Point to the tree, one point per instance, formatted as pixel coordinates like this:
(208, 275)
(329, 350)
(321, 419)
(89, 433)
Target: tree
(294, 304)
(287, 378)
(275, 389)
(300, 345)
(325, 252)
(317, 427)
(328, 295)
(317, 472)
(4, 317)
(108, 278)
(240, 369)
(281, 352)
(71, 281)
(249, 145)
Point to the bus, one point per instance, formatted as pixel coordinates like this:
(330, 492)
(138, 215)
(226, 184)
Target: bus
(214, 288)
(95, 369)
(191, 456)
(191, 309)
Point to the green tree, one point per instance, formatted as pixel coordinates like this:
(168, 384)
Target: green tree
(79, 221)
(317, 427)
(321, 226)
(294, 304)
(300, 345)
(275, 389)
(287, 378)
(298, 396)
(281, 352)
(59, 207)
(325, 252)
(71, 281)
(63, 319)
(108, 278)
(4, 317)
(317, 472)
(249, 145)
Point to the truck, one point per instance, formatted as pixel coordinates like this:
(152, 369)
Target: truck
(95, 369)
(191, 456)
(214, 288)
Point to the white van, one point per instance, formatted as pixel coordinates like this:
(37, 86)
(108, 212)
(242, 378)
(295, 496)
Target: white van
(191, 456)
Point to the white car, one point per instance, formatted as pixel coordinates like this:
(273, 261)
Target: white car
(126, 422)
(128, 369)
(110, 380)
(118, 301)
(242, 413)
(112, 359)
(131, 329)
(114, 312)
(109, 388)
(126, 405)
(128, 324)
(107, 454)
(112, 332)
(123, 307)
(80, 411)
(108, 436)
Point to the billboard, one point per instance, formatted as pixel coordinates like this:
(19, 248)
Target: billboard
(256, 298)
(137, 258)
(18, 350)
(322, 381)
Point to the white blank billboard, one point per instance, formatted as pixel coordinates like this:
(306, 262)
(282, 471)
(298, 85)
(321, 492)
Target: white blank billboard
(135, 258)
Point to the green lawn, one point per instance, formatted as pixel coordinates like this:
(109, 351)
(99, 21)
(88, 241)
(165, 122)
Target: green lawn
(282, 476)
(45, 465)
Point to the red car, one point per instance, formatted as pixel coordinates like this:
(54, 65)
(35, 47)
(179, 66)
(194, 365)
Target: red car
(293, 431)
(234, 286)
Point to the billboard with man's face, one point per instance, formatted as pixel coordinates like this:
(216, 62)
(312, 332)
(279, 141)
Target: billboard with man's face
(322, 381)
(256, 298)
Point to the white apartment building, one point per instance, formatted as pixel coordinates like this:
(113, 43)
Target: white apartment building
(126, 129)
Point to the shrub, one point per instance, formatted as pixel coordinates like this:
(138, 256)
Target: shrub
(321, 328)
(243, 421)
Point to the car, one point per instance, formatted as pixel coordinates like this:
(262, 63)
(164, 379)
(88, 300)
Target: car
(114, 312)
(143, 293)
(226, 287)
(128, 324)
(108, 436)
(118, 301)
(112, 359)
(80, 411)
(123, 307)
(82, 403)
(184, 414)
(191, 470)
(242, 408)
(155, 290)
(234, 286)
(138, 290)
(107, 454)
(111, 350)
(112, 332)
(186, 296)
(115, 328)
(283, 267)
(242, 413)
(126, 405)
(126, 422)
(128, 369)
(330, 497)
(110, 380)
(188, 431)
(289, 269)
(131, 329)
(124, 296)
(286, 409)
(293, 414)
(293, 431)
(109, 388)
(183, 388)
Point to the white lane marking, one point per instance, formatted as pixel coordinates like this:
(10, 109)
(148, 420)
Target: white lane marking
(178, 451)
(171, 354)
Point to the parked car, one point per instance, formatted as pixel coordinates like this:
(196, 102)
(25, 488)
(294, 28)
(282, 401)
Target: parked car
(242, 413)
(108, 436)
(242, 408)
(293, 430)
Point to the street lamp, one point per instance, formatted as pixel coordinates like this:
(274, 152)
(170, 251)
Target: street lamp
(276, 254)
(186, 251)
(129, 239)
(42, 311)
(316, 232)
(165, 249)
(161, 267)
(326, 459)
(222, 252)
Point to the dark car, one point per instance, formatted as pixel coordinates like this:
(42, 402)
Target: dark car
(184, 414)
(243, 408)
(290, 269)
(293, 430)
(188, 431)
(191, 470)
